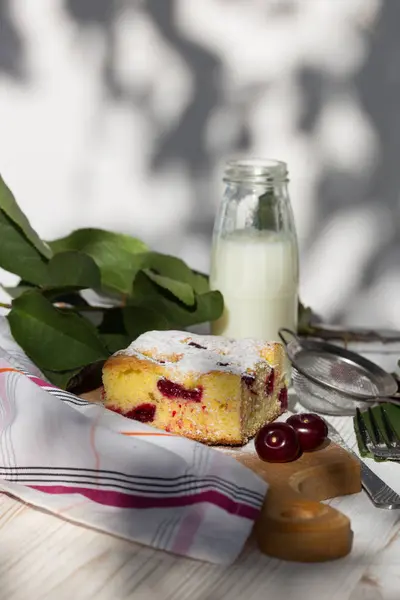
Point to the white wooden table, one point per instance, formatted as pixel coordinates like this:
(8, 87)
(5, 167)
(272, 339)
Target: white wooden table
(44, 557)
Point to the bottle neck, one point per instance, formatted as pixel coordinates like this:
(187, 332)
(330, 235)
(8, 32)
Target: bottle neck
(256, 197)
(256, 172)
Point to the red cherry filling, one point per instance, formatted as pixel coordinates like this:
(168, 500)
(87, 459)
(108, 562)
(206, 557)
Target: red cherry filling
(269, 384)
(169, 389)
(197, 345)
(283, 398)
(248, 380)
(144, 413)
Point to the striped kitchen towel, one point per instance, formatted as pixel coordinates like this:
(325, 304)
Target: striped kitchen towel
(92, 466)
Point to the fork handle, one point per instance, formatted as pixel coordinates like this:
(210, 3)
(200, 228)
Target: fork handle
(380, 494)
(389, 400)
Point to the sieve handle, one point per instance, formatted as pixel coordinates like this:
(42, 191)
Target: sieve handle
(282, 334)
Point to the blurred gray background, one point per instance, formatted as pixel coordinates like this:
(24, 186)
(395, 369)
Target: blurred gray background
(121, 115)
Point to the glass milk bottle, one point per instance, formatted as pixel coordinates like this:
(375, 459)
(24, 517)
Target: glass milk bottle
(254, 260)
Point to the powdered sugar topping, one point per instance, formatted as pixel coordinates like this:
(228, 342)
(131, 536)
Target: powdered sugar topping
(200, 353)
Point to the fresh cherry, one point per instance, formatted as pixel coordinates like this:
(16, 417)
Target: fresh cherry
(311, 430)
(277, 442)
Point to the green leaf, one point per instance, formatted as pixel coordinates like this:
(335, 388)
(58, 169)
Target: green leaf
(17, 290)
(208, 306)
(65, 295)
(139, 319)
(18, 255)
(122, 325)
(304, 319)
(115, 341)
(60, 378)
(113, 321)
(74, 270)
(200, 283)
(176, 269)
(183, 291)
(10, 207)
(112, 252)
(112, 330)
(55, 340)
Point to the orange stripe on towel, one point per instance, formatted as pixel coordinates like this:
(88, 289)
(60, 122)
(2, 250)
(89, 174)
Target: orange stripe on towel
(145, 433)
(9, 369)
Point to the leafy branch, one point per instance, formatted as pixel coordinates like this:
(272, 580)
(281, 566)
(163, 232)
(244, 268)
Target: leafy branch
(60, 330)
(49, 316)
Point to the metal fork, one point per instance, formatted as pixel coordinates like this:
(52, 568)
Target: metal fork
(384, 445)
(379, 492)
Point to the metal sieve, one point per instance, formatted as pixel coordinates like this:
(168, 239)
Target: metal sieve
(332, 380)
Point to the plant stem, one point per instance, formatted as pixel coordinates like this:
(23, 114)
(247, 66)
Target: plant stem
(66, 307)
(346, 336)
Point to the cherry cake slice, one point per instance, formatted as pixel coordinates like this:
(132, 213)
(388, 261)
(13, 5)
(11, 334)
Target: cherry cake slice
(212, 389)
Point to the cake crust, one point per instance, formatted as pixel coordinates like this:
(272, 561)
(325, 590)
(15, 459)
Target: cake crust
(211, 389)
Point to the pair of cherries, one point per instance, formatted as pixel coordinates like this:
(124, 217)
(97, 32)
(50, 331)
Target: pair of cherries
(284, 442)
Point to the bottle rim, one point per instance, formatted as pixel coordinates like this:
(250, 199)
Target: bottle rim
(256, 171)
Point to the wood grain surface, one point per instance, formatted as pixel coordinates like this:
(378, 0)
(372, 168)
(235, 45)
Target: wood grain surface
(294, 525)
(43, 557)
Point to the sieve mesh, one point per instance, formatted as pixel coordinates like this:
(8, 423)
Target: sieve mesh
(332, 370)
(316, 398)
(334, 380)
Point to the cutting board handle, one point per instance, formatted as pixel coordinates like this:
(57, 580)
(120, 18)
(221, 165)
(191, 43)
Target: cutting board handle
(294, 524)
(302, 530)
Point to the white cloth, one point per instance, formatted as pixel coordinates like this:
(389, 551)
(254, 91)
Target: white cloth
(90, 465)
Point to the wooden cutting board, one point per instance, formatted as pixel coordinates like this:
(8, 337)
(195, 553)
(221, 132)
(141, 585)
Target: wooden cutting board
(294, 524)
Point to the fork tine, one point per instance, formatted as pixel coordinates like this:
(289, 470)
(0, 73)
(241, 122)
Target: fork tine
(376, 434)
(364, 433)
(391, 434)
